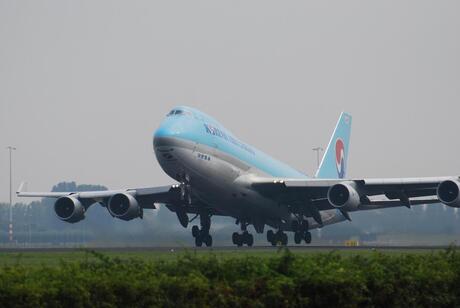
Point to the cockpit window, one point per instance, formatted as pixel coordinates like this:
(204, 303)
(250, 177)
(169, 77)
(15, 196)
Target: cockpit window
(179, 112)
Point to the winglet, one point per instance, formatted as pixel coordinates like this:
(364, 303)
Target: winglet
(22, 187)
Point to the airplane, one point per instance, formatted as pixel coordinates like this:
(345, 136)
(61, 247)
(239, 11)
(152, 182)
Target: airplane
(219, 175)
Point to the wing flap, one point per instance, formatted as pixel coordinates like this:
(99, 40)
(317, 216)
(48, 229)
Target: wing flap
(397, 191)
(413, 187)
(146, 196)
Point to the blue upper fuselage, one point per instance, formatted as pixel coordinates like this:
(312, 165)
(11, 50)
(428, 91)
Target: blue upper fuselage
(193, 125)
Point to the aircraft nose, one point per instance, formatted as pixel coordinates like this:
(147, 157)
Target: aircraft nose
(167, 129)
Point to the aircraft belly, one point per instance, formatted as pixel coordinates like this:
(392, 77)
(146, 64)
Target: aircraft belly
(210, 179)
(214, 182)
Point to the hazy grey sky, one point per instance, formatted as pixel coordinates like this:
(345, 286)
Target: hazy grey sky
(84, 84)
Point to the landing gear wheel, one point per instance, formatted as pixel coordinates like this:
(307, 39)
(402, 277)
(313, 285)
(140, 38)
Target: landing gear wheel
(207, 239)
(195, 231)
(247, 238)
(308, 237)
(250, 240)
(271, 237)
(235, 237)
(297, 238)
(239, 240)
(198, 241)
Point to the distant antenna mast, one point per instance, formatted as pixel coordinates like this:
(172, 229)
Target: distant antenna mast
(317, 150)
(10, 226)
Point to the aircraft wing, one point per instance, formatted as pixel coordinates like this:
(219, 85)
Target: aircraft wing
(372, 193)
(147, 197)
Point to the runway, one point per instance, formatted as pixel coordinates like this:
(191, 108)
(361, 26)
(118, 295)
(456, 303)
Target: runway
(221, 249)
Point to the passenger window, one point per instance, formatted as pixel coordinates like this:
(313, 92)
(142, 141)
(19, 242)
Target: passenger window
(171, 113)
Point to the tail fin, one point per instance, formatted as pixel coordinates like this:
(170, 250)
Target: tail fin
(334, 163)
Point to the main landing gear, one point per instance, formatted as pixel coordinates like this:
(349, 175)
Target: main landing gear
(301, 232)
(278, 237)
(244, 238)
(202, 235)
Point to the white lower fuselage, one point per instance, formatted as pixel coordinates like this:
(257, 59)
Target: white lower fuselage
(221, 181)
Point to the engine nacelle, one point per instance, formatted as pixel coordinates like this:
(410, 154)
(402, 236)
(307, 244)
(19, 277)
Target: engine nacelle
(124, 207)
(344, 196)
(449, 193)
(69, 209)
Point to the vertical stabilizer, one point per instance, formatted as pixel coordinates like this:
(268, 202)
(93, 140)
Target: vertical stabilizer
(335, 159)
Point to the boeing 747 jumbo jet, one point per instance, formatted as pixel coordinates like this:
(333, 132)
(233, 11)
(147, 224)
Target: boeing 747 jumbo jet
(217, 174)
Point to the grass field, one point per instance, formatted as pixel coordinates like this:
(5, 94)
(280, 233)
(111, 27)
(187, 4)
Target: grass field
(258, 277)
(50, 257)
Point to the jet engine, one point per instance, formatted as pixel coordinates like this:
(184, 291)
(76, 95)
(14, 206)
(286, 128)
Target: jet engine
(124, 207)
(69, 209)
(344, 196)
(449, 193)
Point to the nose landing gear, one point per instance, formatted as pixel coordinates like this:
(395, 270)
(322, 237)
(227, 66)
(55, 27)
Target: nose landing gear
(185, 188)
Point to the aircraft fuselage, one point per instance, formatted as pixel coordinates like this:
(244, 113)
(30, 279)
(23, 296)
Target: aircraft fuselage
(195, 148)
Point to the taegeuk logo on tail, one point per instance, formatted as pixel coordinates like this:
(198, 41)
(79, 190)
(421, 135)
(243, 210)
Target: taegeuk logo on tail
(340, 157)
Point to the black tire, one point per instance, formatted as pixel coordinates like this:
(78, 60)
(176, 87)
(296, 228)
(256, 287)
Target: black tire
(195, 231)
(250, 240)
(207, 240)
(273, 243)
(235, 238)
(297, 238)
(308, 237)
(239, 240)
(245, 237)
(198, 241)
(271, 236)
(284, 239)
(304, 225)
